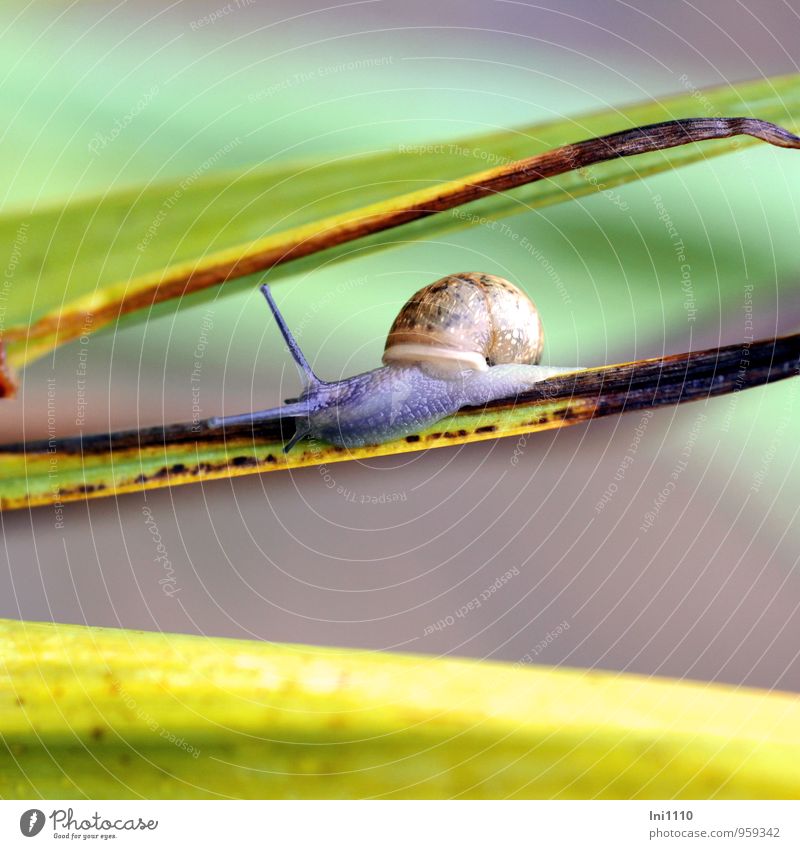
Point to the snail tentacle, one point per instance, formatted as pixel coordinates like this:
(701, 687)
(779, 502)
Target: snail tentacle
(306, 373)
(298, 410)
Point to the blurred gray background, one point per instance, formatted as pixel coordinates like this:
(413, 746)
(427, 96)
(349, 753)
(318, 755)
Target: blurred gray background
(707, 589)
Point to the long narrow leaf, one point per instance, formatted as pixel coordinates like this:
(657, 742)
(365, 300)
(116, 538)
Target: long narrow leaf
(114, 714)
(49, 472)
(82, 267)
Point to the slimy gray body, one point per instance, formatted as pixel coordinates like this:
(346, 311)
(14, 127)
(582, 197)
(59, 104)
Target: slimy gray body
(395, 401)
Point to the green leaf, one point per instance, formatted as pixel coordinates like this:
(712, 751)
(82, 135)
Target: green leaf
(52, 472)
(117, 714)
(80, 267)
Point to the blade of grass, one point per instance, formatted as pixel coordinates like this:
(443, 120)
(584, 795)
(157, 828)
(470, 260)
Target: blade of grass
(53, 472)
(212, 232)
(115, 714)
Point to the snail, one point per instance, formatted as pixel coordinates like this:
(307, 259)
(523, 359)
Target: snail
(468, 338)
(461, 341)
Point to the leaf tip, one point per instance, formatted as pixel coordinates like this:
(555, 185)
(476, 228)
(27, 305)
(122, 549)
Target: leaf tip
(8, 383)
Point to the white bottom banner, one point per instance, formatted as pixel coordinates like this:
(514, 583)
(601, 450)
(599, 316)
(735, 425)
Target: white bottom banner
(333, 824)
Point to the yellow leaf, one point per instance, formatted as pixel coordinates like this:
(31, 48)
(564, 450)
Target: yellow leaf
(115, 714)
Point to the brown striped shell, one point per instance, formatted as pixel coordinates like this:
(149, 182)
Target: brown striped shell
(466, 321)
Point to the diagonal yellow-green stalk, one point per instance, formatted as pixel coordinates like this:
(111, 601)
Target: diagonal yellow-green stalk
(53, 472)
(114, 714)
(84, 266)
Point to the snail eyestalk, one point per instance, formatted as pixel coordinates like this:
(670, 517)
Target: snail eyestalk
(298, 409)
(307, 375)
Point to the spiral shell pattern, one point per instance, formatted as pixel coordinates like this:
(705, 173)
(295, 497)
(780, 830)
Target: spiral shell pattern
(466, 321)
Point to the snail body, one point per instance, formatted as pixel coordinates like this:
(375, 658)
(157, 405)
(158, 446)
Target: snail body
(464, 340)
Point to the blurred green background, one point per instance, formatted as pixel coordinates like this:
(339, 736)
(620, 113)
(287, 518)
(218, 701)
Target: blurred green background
(103, 98)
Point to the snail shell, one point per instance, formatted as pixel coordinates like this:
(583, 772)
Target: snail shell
(466, 321)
